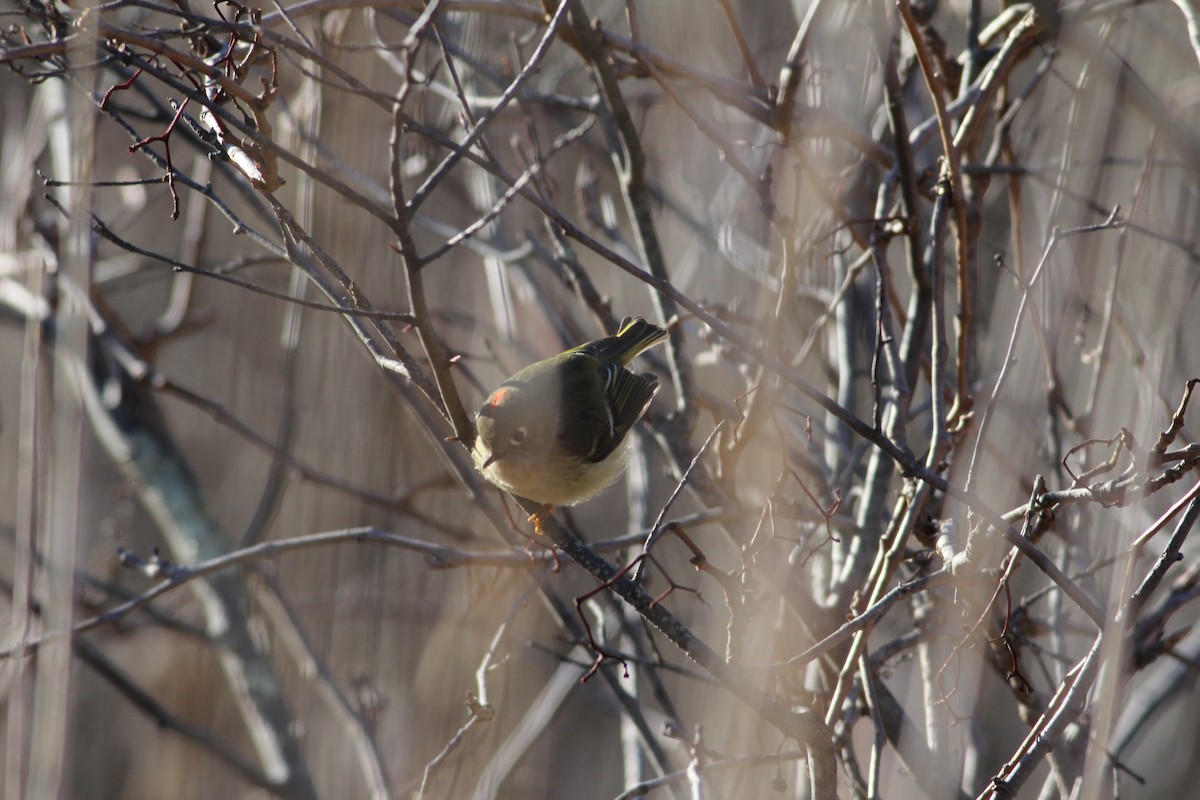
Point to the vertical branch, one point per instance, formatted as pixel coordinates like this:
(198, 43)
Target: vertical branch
(789, 76)
(28, 524)
(439, 361)
(952, 171)
(929, 653)
(903, 359)
(885, 342)
(917, 324)
(939, 349)
(73, 148)
(972, 187)
(1191, 14)
(629, 159)
(739, 37)
(871, 693)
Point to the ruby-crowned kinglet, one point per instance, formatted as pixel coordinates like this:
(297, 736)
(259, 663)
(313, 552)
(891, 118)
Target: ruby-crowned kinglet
(555, 432)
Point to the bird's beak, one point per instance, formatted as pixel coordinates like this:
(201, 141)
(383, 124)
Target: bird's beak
(493, 458)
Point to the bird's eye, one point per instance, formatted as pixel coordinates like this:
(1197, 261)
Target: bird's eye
(518, 436)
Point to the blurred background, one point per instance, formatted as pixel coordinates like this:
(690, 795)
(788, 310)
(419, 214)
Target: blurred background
(898, 248)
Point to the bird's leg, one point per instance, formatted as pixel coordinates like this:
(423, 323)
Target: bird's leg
(539, 516)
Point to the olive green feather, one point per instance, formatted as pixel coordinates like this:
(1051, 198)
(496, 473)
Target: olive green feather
(597, 370)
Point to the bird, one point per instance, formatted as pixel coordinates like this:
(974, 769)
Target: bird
(556, 432)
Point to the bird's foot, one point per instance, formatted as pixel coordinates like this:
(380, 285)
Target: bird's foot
(539, 516)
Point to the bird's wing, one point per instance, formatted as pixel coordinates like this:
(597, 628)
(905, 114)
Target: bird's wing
(628, 396)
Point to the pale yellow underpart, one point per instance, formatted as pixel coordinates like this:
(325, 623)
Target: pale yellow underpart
(552, 478)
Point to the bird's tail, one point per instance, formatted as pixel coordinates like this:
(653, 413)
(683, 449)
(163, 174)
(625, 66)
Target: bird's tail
(634, 336)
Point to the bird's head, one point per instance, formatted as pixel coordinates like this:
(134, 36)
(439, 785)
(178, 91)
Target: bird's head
(508, 425)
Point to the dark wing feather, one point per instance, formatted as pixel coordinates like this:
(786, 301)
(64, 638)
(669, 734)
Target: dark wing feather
(629, 396)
